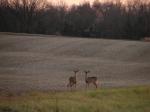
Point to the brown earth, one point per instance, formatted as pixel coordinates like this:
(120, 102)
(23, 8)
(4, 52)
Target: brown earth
(37, 62)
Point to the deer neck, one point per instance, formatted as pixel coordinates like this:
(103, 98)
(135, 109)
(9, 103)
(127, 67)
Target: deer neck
(75, 75)
(86, 76)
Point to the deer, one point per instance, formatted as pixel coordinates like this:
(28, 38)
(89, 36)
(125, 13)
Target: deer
(73, 79)
(89, 80)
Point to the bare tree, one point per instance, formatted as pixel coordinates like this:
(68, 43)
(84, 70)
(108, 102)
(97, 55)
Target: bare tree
(107, 19)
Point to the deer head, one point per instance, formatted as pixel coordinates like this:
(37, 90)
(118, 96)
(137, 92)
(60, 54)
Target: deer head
(76, 71)
(86, 72)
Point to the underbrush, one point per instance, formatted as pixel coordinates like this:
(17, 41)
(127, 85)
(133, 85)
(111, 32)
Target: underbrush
(131, 99)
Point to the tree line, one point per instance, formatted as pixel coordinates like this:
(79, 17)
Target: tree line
(98, 20)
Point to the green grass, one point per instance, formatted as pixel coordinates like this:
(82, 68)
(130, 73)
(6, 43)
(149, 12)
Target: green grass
(132, 99)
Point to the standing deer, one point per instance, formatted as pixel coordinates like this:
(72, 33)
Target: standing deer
(89, 80)
(73, 79)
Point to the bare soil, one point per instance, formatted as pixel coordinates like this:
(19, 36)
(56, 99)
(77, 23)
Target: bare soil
(36, 62)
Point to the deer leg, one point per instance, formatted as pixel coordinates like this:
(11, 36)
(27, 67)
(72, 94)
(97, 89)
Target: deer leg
(95, 84)
(74, 85)
(68, 85)
(71, 86)
(87, 85)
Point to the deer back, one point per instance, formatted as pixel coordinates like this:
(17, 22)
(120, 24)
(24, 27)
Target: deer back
(91, 79)
(72, 79)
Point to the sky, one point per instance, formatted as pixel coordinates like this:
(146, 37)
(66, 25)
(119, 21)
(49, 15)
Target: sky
(77, 2)
(70, 2)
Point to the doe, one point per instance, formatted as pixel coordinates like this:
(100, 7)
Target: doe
(73, 79)
(89, 80)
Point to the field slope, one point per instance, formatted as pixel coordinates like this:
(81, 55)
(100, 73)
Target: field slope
(36, 62)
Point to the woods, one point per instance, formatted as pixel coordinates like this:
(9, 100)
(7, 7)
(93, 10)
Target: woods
(98, 20)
